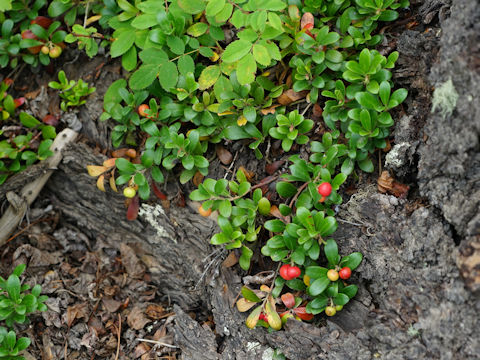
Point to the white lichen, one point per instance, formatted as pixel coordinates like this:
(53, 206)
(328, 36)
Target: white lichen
(445, 98)
(151, 215)
(252, 345)
(268, 354)
(395, 157)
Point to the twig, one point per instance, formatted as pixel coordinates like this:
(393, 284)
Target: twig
(298, 194)
(306, 109)
(118, 335)
(86, 14)
(158, 343)
(349, 222)
(231, 165)
(28, 226)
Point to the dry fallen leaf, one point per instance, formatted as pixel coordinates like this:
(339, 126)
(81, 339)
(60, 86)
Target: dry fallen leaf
(137, 319)
(273, 167)
(290, 96)
(155, 312)
(119, 153)
(132, 264)
(76, 311)
(95, 170)
(224, 155)
(109, 162)
(269, 110)
(197, 178)
(387, 184)
(248, 174)
(101, 183)
(230, 260)
(111, 305)
(244, 305)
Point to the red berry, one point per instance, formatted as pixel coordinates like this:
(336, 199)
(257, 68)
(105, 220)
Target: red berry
(325, 189)
(294, 272)
(284, 272)
(345, 273)
(263, 317)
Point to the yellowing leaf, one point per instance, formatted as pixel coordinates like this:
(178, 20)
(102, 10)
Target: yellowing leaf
(244, 305)
(112, 182)
(242, 120)
(95, 170)
(215, 57)
(272, 316)
(252, 319)
(101, 183)
(209, 76)
(226, 113)
(109, 162)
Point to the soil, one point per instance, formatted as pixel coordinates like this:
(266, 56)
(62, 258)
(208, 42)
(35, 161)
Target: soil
(113, 283)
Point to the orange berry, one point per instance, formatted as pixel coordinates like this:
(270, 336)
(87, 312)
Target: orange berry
(204, 212)
(141, 110)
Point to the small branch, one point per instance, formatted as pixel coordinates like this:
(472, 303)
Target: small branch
(158, 343)
(118, 336)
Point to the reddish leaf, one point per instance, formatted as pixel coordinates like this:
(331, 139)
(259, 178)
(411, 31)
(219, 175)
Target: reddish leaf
(301, 312)
(132, 211)
(19, 101)
(317, 112)
(158, 193)
(307, 21)
(8, 81)
(42, 21)
(197, 178)
(271, 168)
(119, 153)
(288, 300)
(50, 120)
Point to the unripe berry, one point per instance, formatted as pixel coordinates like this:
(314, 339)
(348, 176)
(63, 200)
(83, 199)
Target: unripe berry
(204, 212)
(332, 275)
(45, 50)
(338, 307)
(264, 206)
(55, 52)
(141, 110)
(129, 192)
(330, 311)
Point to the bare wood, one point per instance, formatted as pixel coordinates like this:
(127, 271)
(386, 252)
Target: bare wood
(19, 202)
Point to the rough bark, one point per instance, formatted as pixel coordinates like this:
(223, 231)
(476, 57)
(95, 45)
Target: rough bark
(412, 302)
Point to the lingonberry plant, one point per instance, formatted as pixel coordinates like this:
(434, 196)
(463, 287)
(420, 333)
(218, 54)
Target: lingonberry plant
(23, 140)
(17, 301)
(72, 93)
(206, 71)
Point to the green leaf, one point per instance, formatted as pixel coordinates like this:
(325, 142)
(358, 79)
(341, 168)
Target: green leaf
(197, 29)
(28, 120)
(246, 69)
(367, 100)
(261, 55)
(144, 76)
(176, 45)
(209, 76)
(276, 225)
(286, 189)
(19, 269)
(168, 75)
(214, 7)
(186, 64)
(22, 343)
(318, 286)
(244, 259)
(192, 6)
(236, 50)
(125, 166)
(350, 290)
(352, 261)
(338, 180)
(366, 165)
(331, 252)
(250, 295)
(13, 287)
(123, 42)
(316, 272)
(341, 299)
(225, 208)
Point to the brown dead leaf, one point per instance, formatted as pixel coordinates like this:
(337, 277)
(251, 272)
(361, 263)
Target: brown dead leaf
(273, 167)
(290, 96)
(140, 350)
(133, 207)
(111, 305)
(224, 155)
(269, 110)
(132, 264)
(76, 311)
(96, 325)
(33, 94)
(387, 184)
(275, 212)
(197, 178)
(155, 312)
(248, 174)
(136, 319)
(113, 185)
(230, 260)
(317, 112)
(119, 153)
